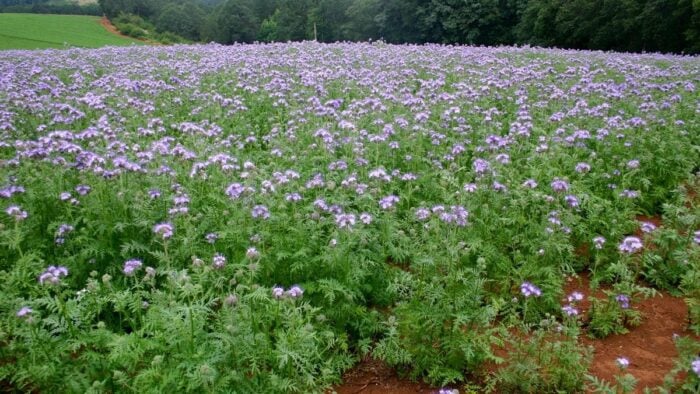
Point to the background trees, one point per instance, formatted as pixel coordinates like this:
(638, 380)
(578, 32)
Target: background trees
(622, 25)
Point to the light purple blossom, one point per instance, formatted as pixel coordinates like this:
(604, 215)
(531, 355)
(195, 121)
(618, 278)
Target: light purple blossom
(575, 297)
(219, 261)
(260, 211)
(16, 212)
(559, 185)
(154, 193)
(599, 242)
(582, 168)
(623, 300)
(252, 253)
(530, 184)
(695, 366)
(365, 218)
(422, 214)
(131, 266)
(24, 312)
(388, 201)
(277, 292)
(629, 194)
(569, 310)
(633, 164)
(571, 200)
(622, 362)
(345, 220)
(470, 187)
(211, 237)
(165, 230)
(52, 275)
(481, 166)
(528, 290)
(697, 237)
(295, 292)
(647, 227)
(83, 189)
(630, 245)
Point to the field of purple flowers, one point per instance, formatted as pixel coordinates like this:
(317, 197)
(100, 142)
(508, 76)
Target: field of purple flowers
(256, 218)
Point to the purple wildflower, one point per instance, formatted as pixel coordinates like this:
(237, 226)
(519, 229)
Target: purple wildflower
(481, 166)
(16, 212)
(647, 227)
(530, 184)
(295, 292)
(559, 185)
(252, 253)
(630, 245)
(697, 237)
(470, 187)
(211, 237)
(623, 300)
(365, 218)
(528, 290)
(575, 297)
(622, 362)
(219, 261)
(582, 168)
(83, 189)
(24, 312)
(599, 242)
(695, 366)
(571, 200)
(569, 310)
(345, 220)
(277, 292)
(131, 266)
(165, 230)
(260, 211)
(633, 164)
(388, 201)
(154, 193)
(422, 213)
(53, 275)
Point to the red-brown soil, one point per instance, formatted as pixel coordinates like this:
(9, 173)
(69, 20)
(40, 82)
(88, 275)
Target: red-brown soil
(649, 348)
(374, 377)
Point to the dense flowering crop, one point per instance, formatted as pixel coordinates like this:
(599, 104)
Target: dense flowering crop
(256, 212)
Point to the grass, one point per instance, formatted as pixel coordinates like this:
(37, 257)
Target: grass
(38, 31)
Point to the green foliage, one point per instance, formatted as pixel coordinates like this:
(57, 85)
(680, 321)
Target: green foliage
(544, 360)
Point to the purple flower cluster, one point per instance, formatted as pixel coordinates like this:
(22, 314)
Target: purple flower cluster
(131, 266)
(164, 230)
(529, 290)
(630, 245)
(293, 292)
(52, 275)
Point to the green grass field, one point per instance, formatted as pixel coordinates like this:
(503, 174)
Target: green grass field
(36, 31)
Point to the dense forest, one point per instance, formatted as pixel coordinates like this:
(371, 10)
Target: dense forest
(622, 25)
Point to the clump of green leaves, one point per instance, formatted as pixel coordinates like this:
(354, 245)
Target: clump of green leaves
(545, 359)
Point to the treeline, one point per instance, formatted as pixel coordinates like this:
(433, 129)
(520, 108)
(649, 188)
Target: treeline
(622, 25)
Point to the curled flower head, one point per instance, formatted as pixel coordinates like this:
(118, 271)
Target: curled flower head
(219, 261)
(569, 310)
(583, 167)
(52, 275)
(83, 189)
(623, 300)
(165, 230)
(622, 362)
(16, 212)
(481, 166)
(599, 242)
(575, 297)
(695, 366)
(559, 185)
(211, 237)
(530, 184)
(252, 253)
(295, 292)
(630, 245)
(529, 290)
(345, 220)
(647, 227)
(131, 266)
(260, 211)
(388, 201)
(24, 312)
(277, 292)
(422, 214)
(365, 218)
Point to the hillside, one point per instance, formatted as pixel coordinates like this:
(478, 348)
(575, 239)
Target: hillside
(36, 31)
